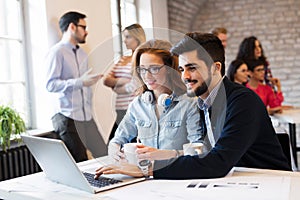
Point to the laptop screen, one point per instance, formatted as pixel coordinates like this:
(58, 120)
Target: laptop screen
(59, 165)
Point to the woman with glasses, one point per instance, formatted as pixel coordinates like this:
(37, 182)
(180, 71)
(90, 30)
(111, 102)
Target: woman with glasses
(238, 72)
(162, 117)
(271, 99)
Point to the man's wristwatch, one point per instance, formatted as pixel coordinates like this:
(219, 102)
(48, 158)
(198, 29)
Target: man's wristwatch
(144, 166)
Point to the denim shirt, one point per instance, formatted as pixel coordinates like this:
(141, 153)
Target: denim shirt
(179, 124)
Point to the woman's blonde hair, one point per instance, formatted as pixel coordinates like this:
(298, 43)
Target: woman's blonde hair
(136, 31)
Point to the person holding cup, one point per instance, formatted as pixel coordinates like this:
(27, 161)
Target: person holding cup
(161, 116)
(240, 135)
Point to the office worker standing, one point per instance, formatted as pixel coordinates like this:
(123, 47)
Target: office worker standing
(70, 78)
(119, 79)
(251, 49)
(239, 128)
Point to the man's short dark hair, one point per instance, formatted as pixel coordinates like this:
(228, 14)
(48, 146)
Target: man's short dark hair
(208, 46)
(253, 63)
(68, 18)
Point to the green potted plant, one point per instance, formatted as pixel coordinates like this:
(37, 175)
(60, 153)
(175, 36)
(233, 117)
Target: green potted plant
(11, 125)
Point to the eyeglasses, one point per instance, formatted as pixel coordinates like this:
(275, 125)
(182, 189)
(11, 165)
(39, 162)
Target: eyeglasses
(82, 26)
(243, 70)
(154, 69)
(260, 70)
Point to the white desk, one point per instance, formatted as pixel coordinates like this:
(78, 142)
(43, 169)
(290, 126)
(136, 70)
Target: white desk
(292, 117)
(273, 185)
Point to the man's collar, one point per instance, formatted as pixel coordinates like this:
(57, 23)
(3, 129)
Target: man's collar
(207, 102)
(69, 44)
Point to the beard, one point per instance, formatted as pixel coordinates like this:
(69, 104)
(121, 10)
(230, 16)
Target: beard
(198, 91)
(79, 40)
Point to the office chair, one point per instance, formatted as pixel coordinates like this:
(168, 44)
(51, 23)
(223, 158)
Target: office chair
(284, 141)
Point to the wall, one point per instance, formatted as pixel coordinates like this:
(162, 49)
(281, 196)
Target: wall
(274, 22)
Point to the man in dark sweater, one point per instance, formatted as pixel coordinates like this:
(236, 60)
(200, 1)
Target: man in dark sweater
(238, 125)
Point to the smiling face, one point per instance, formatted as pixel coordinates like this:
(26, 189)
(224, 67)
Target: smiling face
(156, 81)
(241, 75)
(195, 74)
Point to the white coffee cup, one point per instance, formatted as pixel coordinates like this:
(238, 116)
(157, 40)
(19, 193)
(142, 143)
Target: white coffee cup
(129, 151)
(192, 148)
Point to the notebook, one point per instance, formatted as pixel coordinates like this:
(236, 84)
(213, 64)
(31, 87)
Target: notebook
(59, 166)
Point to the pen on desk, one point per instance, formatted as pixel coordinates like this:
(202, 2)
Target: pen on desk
(232, 186)
(203, 185)
(192, 185)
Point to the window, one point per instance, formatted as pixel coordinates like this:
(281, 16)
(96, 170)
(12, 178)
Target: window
(123, 14)
(128, 13)
(13, 84)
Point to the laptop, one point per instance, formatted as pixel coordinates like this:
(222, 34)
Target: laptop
(59, 166)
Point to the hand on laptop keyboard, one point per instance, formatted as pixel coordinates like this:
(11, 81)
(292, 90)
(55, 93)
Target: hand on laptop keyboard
(122, 168)
(100, 181)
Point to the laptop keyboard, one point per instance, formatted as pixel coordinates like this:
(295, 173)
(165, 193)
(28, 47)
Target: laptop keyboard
(101, 181)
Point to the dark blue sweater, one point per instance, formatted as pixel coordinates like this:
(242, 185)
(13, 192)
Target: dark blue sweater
(245, 138)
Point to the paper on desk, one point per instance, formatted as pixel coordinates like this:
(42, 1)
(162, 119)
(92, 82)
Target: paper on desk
(39, 187)
(231, 188)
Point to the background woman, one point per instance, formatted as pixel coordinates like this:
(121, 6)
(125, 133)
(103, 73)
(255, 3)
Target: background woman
(120, 76)
(250, 49)
(238, 72)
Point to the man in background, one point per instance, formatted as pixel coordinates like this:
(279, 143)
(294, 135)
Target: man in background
(68, 75)
(221, 33)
